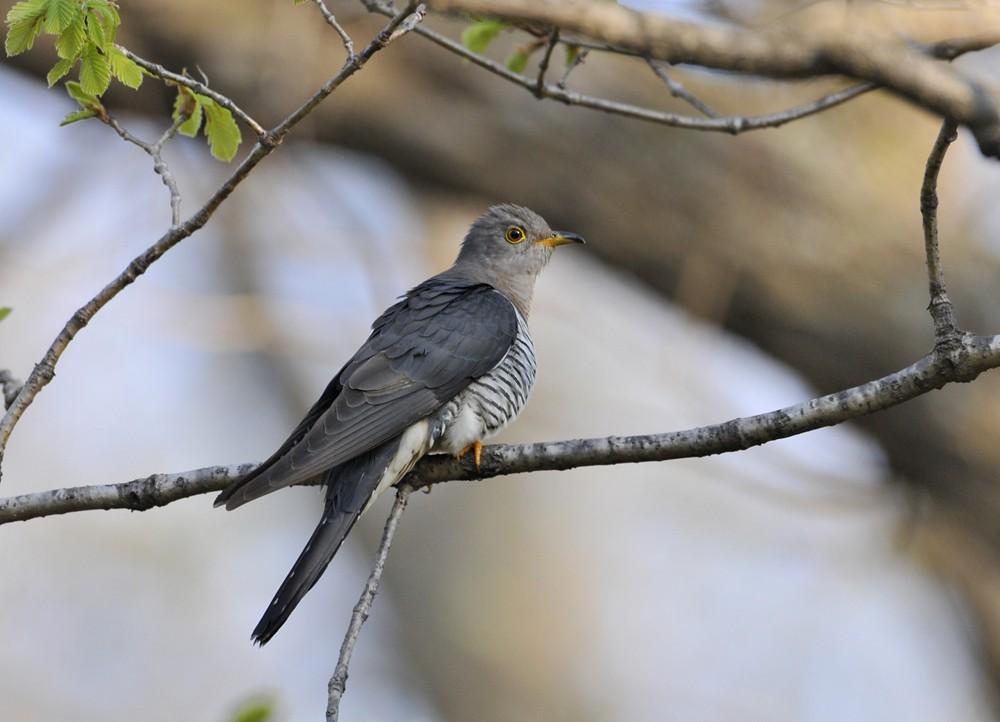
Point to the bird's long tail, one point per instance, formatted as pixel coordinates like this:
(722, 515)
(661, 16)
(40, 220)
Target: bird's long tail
(351, 487)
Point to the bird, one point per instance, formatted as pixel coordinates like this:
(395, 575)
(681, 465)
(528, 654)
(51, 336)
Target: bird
(449, 365)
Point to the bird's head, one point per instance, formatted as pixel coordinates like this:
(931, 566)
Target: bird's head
(510, 242)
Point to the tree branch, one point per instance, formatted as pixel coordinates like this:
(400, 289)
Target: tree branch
(734, 124)
(678, 90)
(958, 363)
(856, 53)
(338, 682)
(332, 22)
(44, 371)
(941, 309)
(170, 77)
(155, 151)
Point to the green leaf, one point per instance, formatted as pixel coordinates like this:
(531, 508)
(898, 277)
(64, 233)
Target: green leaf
(254, 712)
(5, 312)
(26, 10)
(517, 61)
(73, 38)
(478, 36)
(60, 14)
(125, 69)
(187, 103)
(95, 71)
(21, 35)
(96, 32)
(78, 115)
(572, 53)
(59, 71)
(77, 93)
(223, 134)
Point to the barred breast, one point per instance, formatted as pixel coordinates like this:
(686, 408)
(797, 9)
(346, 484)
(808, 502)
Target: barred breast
(490, 402)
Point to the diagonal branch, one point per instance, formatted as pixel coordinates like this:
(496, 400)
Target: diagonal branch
(338, 682)
(958, 363)
(331, 20)
(44, 371)
(734, 124)
(163, 74)
(781, 53)
(678, 90)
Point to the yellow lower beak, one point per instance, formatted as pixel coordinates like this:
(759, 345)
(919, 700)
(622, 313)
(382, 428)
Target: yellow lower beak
(561, 238)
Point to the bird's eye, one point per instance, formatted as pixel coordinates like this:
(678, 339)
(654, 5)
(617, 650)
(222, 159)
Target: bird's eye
(514, 234)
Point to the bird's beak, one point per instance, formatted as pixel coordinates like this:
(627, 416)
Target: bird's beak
(561, 238)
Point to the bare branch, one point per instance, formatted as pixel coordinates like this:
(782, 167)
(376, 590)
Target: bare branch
(961, 362)
(940, 307)
(163, 74)
(338, 682)
(543, 66)
(679, 91)
(9, 386)
(856, 53)
(155, 151)
(734, 125)
(332, 22)
(44, 371)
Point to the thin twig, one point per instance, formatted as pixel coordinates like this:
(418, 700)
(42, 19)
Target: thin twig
(963, 362)
(155, 151)
(332, 22)
(543, 66)
(44, 370)
(163, 74)
(579, 55)
(678, 90)
(855, 52)
(338, 682)
(941, 309)
(9, 386)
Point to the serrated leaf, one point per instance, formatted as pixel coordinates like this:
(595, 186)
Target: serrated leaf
(223, 134)
(478, 36)
(95, 71)
(77, 115)
(26, 10)
(85, 99)
(59, 71)
(5, 312)
(71, 41)
(187, 104)
(60, 14)
(96, 32)
(125, 69)
(517, 61)
(21, 35)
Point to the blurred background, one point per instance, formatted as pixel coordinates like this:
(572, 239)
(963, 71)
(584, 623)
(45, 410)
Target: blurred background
(848, 574)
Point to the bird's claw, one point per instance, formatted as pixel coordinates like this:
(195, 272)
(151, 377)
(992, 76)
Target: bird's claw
(476, 447)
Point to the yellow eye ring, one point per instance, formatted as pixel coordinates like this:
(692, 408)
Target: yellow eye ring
(514, 234)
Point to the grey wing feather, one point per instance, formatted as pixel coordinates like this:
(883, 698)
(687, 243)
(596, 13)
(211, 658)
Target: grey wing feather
(422, 352)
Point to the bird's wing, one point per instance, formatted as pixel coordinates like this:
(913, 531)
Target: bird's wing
(421, 353)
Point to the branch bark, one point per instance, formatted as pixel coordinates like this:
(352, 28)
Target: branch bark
(941, 309)
(780, 53)
(338, 682)
(960, 362)
(44, 371)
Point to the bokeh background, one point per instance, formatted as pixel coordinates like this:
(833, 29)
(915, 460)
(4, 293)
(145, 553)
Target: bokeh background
(848, 574)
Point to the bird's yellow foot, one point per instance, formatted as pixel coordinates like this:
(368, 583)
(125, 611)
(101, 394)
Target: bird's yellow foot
(476, 447)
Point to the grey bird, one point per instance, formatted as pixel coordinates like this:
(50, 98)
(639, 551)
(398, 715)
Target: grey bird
(444, 368)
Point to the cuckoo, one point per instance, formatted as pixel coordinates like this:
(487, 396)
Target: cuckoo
(447, 366)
